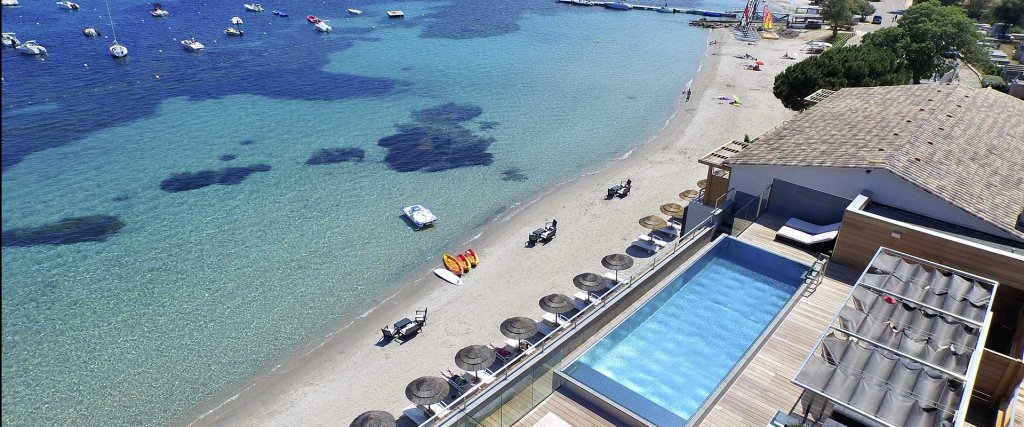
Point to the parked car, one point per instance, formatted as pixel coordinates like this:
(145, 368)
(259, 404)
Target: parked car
(877, 19)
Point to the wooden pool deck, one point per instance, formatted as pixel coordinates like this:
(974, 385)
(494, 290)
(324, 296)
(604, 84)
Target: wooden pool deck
(764, 385)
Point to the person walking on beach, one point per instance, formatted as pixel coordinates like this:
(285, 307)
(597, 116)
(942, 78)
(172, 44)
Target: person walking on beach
(687, 95)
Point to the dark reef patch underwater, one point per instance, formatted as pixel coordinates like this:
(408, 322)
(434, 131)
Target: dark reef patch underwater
(514, 174)
(437, 141)
(326, 156)
(186, 181)
(91, 228)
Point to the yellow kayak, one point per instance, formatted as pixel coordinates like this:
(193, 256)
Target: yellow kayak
(453, 264)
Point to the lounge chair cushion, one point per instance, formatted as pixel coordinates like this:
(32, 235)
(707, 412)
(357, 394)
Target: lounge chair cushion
(648, 246)
(804, 238)
(810, 228)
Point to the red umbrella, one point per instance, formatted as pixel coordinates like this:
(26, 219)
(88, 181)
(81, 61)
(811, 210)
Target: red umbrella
(759, 62)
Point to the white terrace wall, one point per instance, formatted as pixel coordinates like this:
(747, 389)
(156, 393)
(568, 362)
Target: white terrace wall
(887, 189)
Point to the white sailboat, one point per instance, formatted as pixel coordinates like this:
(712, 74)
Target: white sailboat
(116, 50)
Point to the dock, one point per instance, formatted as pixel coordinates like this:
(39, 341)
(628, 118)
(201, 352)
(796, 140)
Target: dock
(663, 9)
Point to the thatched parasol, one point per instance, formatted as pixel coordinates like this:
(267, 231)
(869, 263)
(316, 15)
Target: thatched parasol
(427, 390)
(653, 222)
(374, 419)
(475, 358)
(674, 210)
(519, 328)
(617, 262)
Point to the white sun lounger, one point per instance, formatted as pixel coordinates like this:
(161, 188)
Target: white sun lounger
(651, 239)
(804, 238)
(670, 230)
(810, 228)
(645, 245)
(610, 275)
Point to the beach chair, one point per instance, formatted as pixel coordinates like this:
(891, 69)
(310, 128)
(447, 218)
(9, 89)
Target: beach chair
(545, 234)
(803, 238)
(421, 317)
(389, 334)
(504, 353)
(646, 245)
(610, 275)
(459, 382)
(810, 228)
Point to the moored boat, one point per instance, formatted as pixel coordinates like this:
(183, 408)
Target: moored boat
(118, 50)
(666, 9)
(10, 40)
(419, 215)
(232, 31)
(90, 32)
(280, 13)
(618, 6)
(68, 5)
(236, 20)
(396, 14)
(323, 27)
(354, 11)
(191, 44)
(313, 19)
(158, 11)
(31, 48)
(253, 7)
(10, 3)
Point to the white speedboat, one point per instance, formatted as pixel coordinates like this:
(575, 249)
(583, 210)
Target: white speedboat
(232, 31)
(9, 40)
(90, 32)
(31, 48)
(236, 20)
(420, 215)
(158, 11)
(323, 27)
(396, 14)
(118, 50)
(10, 3)
(192, 45)
(354, 11)
(253, 7)
(68, 5)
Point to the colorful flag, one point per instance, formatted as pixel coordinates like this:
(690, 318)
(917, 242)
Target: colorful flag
(769, 20)
(746, 13)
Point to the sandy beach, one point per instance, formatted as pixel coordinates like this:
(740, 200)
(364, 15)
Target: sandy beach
(331, 383)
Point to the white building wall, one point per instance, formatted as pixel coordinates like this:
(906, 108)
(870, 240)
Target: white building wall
(888, 189)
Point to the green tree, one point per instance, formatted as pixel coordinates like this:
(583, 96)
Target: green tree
(838, 13)
(924, 33)
(853, 66)
(975, 9)
(865, 8)
(1010, 12)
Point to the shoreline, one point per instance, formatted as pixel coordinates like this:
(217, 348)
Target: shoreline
(320, 375)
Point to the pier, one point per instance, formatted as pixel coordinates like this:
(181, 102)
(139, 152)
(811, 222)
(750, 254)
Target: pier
(666, 9)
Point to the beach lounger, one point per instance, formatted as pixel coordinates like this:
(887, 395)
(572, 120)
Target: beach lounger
(416, 413)
(805, 238)
(545, 328)
(610, 275)
(809, 228)
(670, 230)
(651, 239)
(551, 319)
(505, 353)
(621, 190)
(646, 245)
(545, 234)
(462, 383)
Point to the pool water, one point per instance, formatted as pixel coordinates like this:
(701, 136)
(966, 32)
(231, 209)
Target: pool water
(667, 358)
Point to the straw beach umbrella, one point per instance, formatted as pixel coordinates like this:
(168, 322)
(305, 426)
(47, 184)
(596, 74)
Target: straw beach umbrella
(427, 390)
(674, 210)
(702, 183)
(556, 304)
(519, 328)
(618, 262)
(590, 282)
(689, 195)
(475, 358)
(652, 222)
(374, 419)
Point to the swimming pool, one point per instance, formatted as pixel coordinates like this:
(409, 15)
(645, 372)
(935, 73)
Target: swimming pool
(670, 355)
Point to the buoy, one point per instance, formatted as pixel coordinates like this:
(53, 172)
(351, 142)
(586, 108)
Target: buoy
(86, 65)
(157, 76)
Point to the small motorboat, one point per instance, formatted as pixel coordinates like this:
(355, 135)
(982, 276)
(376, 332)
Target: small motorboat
(10, 3)
(396, 14)
(158, 11)
(253, 7)
(280, 13)
(666, 9)
(236, 20)
(323, 27)
(118, 50)
(420, 216)
(191, 44)
(68, 5)
(31, 48)
(90, 32)
(618, 6)
(232, 31)
(313, 19)
(354, 11)
(9, 40)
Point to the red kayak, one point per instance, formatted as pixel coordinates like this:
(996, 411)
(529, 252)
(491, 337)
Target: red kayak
(313, 19)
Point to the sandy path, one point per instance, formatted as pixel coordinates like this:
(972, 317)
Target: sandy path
(349, 374)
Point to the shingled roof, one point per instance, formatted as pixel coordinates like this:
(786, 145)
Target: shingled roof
(965, 146)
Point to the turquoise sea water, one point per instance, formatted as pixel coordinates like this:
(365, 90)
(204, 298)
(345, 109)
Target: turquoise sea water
(202, 290)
